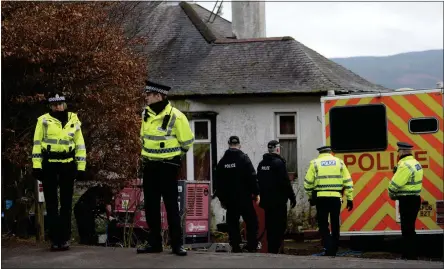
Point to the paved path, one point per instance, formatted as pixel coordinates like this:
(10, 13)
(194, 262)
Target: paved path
(101, 257)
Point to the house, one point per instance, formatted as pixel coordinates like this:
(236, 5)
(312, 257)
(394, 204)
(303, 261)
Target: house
(256, 88)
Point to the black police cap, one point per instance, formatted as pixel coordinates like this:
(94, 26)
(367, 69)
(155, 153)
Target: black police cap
(324, 149)
(156, 87)
(233, 140)
(273, 144)
(404, 145)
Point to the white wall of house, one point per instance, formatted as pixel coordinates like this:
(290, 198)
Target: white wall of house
(254, 120)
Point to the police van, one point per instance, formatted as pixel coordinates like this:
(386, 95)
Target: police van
(362, 129)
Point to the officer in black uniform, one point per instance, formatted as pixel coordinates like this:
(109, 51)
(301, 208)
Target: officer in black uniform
(276, 190)
(92, 203)
(236, 186)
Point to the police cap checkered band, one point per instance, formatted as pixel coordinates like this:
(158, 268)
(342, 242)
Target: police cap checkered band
(154, 87)
(56, 98)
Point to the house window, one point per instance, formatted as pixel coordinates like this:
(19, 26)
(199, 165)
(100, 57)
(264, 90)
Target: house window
(286, 134)
(358, 128)
(197, 163)
(423, 125)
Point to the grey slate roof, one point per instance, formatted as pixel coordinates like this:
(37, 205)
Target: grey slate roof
(195, 59)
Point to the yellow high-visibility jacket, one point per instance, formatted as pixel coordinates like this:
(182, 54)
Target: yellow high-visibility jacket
(165, 144)
(328, 175)
(52, 139)
(408, 178)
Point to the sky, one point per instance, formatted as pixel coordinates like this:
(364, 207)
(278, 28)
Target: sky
(346, 29)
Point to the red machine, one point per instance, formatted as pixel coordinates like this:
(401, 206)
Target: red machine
(194, 206)
(129, 206)
(194, 209)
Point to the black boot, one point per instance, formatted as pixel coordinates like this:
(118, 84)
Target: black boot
(55, 247)
(250, 249)
(149, 249)
(179, 251)
(236, 249)
(409, 257)
(64, 246)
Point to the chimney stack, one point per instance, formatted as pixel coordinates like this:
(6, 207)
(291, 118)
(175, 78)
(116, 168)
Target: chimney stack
(248, 19)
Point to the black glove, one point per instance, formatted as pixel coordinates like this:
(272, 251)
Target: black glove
(349, 205)
(312, 203)
(37, 173)
(292, 203)
(80, 176)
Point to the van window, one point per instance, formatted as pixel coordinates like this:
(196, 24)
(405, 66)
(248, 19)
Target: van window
(358, 128)
(423, 125)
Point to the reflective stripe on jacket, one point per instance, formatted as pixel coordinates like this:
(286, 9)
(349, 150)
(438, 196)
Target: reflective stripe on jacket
(51, 138)
(329, 176)
(408, 178)
(174, 140)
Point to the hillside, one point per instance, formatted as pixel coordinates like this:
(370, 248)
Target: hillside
(416, 70)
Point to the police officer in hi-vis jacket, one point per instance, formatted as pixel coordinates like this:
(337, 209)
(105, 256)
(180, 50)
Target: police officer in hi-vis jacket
(406, 186)
(166, 136)
(324, 183)
(58, 158)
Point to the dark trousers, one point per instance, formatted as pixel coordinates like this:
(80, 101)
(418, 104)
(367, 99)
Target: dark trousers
(326, 206)
(275, 224)
(58, 175)
(160, 179)
(248, 213)
(86, 225)
(408, 209)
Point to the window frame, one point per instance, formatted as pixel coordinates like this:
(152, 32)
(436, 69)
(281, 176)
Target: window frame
(423, 118)
(360, 150)
(210, 116)
(190, 153)
(295, 137)
(192, 122)
(278, 125)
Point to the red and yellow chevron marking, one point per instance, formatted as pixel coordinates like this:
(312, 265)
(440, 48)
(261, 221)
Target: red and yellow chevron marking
(371, 172)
